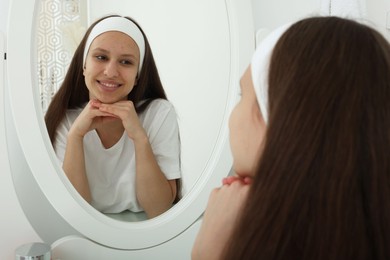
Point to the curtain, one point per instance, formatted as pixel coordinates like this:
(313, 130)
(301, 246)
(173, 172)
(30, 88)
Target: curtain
(59, 30)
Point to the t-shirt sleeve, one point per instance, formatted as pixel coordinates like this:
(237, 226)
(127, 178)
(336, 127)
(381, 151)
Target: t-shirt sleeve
(61, 138)
(162, 127)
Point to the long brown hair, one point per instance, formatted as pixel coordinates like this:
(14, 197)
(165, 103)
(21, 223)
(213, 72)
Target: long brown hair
(322, 187)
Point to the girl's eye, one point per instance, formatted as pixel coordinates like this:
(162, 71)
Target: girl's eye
(126, 62)
(100, 57)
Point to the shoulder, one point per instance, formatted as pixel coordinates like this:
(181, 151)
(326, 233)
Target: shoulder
(71, 115)
(159, 112)
(160, 106)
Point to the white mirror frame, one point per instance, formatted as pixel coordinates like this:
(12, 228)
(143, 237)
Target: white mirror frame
(52, 210)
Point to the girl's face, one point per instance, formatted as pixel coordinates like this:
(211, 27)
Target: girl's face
(111, 67)
(247, 129)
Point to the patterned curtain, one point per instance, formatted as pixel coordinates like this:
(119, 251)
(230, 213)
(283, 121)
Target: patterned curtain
(59, 31)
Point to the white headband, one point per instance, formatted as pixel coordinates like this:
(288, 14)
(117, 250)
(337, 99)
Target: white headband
(260, 67)
(119, 24)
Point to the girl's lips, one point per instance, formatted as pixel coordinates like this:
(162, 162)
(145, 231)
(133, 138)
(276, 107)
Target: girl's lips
(109, 86)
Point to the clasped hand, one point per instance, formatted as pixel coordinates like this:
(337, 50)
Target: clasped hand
(223, 209)
(96, 114)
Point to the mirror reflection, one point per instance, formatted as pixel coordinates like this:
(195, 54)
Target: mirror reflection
(112, 127)
(111, 124)
(193, 57)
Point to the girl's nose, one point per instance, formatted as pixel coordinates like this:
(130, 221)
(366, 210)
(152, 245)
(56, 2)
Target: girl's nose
(111, 69)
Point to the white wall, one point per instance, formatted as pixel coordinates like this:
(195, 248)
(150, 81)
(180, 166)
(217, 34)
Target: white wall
(271, 14)
(377, 13)
(14, 227)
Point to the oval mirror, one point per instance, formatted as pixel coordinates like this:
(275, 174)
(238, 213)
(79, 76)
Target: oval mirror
(201, 49)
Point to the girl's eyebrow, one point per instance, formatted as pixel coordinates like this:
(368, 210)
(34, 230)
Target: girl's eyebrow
(98, 49)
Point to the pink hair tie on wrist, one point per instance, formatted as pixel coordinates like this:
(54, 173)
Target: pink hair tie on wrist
(230, 179)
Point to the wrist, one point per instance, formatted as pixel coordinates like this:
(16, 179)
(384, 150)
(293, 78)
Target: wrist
(75, 136)
(141, 139)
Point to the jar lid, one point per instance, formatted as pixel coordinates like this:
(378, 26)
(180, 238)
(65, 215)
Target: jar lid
(33, 251)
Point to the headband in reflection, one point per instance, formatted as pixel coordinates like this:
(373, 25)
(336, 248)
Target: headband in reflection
(119, 24)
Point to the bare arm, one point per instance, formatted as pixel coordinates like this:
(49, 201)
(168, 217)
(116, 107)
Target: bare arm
(154, 191)
(74, 160)
(74, 166)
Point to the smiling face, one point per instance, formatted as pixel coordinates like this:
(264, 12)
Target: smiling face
(111, 67)
(247, 129)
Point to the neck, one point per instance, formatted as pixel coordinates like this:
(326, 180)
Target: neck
(110, 132)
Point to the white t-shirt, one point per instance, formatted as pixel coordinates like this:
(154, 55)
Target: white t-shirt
(111, 172)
